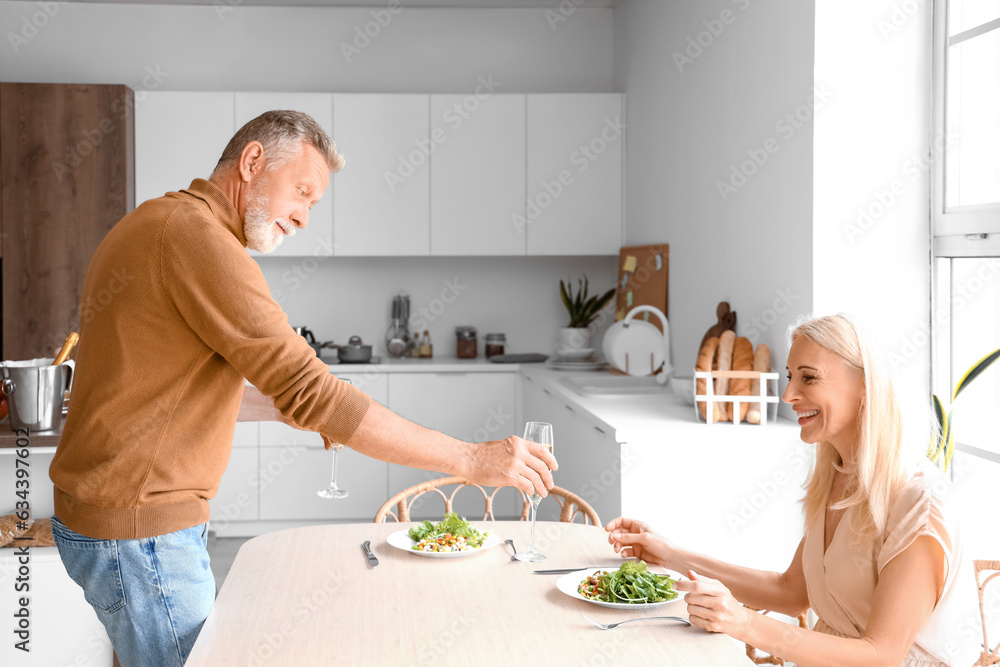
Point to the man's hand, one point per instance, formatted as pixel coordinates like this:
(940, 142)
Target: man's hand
(512, 462)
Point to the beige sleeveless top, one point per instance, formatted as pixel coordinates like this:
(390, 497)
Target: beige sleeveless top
(842, 582)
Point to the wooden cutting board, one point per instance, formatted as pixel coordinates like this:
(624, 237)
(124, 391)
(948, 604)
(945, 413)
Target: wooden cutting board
(642, 280)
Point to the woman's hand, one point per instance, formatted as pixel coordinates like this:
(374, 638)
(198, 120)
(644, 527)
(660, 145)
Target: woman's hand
(634, 538)
(712, 606)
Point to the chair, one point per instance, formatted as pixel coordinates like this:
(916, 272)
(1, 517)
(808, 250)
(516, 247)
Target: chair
(987, 657)
(571, 504)
(762, 658)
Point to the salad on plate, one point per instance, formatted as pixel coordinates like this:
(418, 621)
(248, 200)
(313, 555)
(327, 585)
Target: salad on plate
(632, 583)
(451, 534)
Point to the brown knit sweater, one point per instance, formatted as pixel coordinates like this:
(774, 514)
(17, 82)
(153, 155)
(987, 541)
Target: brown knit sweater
(175, 315)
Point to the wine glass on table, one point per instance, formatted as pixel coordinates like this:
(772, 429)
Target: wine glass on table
(541, 433)
(333, 491)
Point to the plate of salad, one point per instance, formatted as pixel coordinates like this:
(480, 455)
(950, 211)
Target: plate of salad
(630, 586)
(452, 537)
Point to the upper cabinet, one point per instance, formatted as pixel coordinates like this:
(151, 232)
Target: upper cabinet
(179, 136)
(316, 240)
(467, 175)
(477, 174)
(381, 203)
(574, 202)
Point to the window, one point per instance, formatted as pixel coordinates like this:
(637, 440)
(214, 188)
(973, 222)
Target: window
(965, 218)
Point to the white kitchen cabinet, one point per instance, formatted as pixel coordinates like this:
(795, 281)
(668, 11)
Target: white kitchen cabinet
(290, 476)
(179, 136)
(477, 175)
(574, 174)
(236, 499)
(469, 406)
(381, 197)
(589, 457)
(316, 240)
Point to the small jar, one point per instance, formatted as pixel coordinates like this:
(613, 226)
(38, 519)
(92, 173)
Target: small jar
(495, 344)
(466, 345)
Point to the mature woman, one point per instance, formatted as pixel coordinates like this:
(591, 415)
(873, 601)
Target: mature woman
(879, 563)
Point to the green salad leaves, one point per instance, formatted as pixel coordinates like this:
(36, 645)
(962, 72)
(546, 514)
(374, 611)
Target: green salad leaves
(452, 523)
(633, 583)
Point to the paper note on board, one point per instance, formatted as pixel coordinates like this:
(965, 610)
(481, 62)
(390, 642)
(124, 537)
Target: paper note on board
(659, 261)
(630, 263)
(624, 281)
(620, 315)
(628, 299)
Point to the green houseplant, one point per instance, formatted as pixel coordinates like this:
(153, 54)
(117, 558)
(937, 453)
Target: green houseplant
(575, 339)
(942, 446)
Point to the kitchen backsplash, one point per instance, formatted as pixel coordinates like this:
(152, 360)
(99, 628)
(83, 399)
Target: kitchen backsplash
(337, 297)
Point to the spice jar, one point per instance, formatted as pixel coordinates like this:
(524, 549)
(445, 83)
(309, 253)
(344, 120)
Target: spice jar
(466, 345)
(495, 344)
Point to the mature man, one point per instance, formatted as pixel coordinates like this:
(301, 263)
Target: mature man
(160, 384)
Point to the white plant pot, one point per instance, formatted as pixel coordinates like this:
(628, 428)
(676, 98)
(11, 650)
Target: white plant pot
(575, 338)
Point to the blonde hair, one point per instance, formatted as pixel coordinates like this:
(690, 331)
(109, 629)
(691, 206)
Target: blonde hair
(281, 133)
(879, 467)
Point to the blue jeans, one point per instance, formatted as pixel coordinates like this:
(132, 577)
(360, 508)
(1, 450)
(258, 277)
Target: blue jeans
(152, 595)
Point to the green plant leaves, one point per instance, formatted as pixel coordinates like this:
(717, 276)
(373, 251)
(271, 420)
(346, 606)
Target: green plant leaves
(582, 308)
(942, 446)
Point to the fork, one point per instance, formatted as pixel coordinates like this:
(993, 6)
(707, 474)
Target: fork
(612, 626)
(513, 548)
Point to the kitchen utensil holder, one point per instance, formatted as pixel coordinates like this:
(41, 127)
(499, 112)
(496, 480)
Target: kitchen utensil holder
(768, 383)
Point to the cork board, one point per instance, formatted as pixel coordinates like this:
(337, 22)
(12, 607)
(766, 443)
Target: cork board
(642, 280)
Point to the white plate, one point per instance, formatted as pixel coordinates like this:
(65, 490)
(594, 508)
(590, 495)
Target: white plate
(585, 365)
(568, 583)
(401, 540)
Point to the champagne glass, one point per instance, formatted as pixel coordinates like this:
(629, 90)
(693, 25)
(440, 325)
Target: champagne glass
(333, 491)
(541, 433)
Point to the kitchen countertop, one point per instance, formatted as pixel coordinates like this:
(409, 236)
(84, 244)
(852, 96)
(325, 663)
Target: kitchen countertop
(637, 416)
(434, 365)
(8, 439)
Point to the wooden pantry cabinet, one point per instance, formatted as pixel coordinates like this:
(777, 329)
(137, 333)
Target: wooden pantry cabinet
(66, 177)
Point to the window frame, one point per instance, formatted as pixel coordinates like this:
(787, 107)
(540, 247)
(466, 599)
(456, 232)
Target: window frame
(959, 232)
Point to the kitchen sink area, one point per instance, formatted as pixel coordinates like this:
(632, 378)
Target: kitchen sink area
(615, 385)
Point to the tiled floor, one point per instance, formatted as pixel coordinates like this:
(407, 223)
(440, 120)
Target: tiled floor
(222, 552)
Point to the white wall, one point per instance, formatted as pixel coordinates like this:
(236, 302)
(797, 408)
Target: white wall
(227, 47)
(871, 226)
(693, 113)
(518, 296)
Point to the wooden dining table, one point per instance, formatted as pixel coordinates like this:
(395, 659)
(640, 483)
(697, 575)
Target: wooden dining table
(309, 597)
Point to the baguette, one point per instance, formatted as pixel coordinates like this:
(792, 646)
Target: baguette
(706, 359)
(726, 342)
(761, 364)
(742, 361)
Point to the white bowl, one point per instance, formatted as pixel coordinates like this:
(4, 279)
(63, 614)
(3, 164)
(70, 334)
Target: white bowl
(573, 353)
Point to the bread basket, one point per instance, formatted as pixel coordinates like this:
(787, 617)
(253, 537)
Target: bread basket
(768, 383)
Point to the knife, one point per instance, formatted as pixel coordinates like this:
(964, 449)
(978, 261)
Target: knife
(567, 570)
(367, 546)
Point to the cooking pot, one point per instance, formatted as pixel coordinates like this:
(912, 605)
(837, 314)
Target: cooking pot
(354, 352)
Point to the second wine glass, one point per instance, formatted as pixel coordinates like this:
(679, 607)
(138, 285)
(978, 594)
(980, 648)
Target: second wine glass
(333, 491)
(541, 433)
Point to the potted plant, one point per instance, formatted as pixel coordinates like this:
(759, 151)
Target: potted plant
(583, 309)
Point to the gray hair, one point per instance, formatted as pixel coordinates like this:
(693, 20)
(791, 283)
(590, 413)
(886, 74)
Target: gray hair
(282, 134)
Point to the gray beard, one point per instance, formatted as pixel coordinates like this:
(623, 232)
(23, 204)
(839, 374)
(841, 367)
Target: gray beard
(257, 224)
